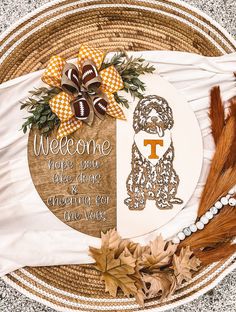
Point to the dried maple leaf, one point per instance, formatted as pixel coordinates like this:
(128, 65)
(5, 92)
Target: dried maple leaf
(140, 296)
(161, 253)
(116, 272)
(124, 265)
(135, 250)
(123, 244)
(126, 243)
(184, 264)
(160, 283)
(117, 275)
(111, 239)
(141, 251)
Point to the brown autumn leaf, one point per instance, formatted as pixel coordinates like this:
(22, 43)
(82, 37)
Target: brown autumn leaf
(120, 273)
(118, 266)
(159, 284)
(117, 275)
(124, 244)
(141, 251)
(135, 250)
(136, 269)
(111, 239)
(116, 272)
(140, 296)
(161, 253)
(184, 264)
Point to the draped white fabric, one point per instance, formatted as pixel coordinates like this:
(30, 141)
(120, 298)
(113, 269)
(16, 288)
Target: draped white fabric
(30, 235)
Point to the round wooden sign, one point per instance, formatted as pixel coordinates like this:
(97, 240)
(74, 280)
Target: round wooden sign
(76, 176)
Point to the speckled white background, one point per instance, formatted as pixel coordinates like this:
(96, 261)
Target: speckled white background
(223, 297)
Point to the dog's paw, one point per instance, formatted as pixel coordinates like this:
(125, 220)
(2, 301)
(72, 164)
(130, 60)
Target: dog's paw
(134, 205)
(164, 206)
(127, 201)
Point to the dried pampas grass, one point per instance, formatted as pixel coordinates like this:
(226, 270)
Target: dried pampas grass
(221, 228)
(219, 252)
(215, 241)
(231, 161)
(216, 174)
(216, 114)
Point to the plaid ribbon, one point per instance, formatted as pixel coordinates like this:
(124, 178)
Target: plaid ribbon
(85, 89)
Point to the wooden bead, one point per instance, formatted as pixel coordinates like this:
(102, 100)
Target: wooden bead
(224, 201)
(187, 231)
(214, 210)
(209, 215)
(193, 228)
(181, 235)
(204, 219)
(218, 205)
(175, 240)
(200, 225)
(232, 202)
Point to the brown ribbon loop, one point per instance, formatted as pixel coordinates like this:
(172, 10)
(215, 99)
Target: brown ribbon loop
(88, 97)
(100, 103)
(70, 81)
(90, 76)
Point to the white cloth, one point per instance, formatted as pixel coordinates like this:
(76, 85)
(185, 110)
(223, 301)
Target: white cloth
(30, 235)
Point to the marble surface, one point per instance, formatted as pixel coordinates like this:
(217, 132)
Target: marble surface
(223, 297)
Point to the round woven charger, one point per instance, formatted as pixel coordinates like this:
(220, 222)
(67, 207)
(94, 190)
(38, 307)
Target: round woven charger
(59, 28)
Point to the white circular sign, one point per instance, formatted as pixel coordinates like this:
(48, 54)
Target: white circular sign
(184, 166)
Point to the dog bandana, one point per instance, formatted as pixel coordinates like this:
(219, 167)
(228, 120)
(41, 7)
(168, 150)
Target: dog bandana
(152, 146)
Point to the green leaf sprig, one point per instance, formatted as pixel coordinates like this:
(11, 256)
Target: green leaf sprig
(130, 68)
(41, 115)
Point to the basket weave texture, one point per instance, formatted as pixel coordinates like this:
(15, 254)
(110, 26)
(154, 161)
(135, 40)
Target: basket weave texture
(60, 28)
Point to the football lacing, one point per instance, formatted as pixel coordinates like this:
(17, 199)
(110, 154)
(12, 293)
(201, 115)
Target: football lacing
(70, 75)
(101, 106)
(88, 72)
(81, 106)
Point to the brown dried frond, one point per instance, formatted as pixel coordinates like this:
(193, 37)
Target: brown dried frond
(216, 113)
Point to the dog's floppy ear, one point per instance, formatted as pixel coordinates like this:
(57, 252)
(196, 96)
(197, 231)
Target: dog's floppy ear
(136, 120)
(170, 117)
(137, 116)
(167, 114)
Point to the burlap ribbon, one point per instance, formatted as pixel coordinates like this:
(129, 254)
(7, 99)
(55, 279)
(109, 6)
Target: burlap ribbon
(85, 90)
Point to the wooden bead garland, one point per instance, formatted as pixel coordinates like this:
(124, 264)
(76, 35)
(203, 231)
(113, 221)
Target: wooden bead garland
(204, 220)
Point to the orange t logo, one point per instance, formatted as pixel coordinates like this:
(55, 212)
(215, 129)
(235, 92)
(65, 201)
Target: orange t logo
(153, 144)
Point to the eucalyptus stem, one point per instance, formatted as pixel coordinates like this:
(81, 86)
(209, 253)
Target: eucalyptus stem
(41, 115)
(130, 68)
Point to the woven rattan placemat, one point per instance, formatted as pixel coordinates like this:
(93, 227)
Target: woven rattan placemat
(59, 28)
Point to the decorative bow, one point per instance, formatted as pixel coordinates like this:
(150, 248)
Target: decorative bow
(85, 90)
